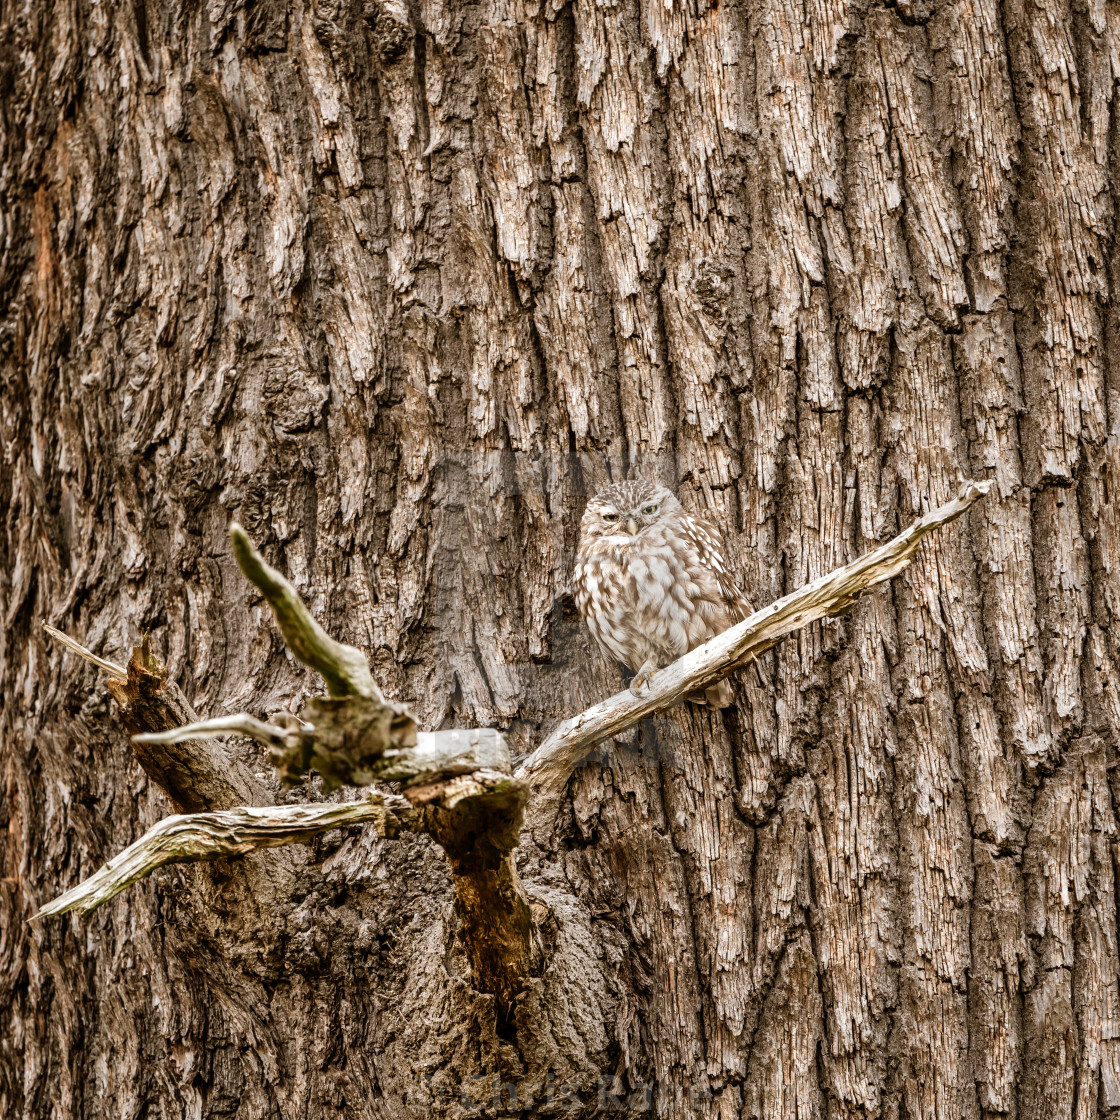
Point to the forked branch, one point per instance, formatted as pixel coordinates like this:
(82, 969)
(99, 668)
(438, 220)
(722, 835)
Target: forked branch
(348, 731)
(449, 776)
(458, 784)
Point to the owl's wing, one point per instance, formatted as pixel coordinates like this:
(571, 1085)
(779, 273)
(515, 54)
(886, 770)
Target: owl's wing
(705, 536)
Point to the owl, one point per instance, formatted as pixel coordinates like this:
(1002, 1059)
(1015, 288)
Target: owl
(652, 583)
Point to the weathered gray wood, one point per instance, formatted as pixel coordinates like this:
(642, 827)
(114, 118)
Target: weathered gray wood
(442, 754)
(344, 668)
(240, 723)
(471, 804)
(439, 755)
(205, 836)
(82, 652)
(194, 837)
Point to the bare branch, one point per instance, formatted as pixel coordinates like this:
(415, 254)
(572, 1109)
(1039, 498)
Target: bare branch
(240, 723)
(81, 651)
(548, 768)
(459, 790)
(207, 836)
(196, 775)
(344, 668)
(434, 756)
(459, 782)
(454, 775)
(354, 726)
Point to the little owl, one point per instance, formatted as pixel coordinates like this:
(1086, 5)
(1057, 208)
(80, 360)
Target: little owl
(652, 582)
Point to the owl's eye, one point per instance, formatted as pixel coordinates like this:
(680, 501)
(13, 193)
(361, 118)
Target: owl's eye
(649, 511)
(610, 516)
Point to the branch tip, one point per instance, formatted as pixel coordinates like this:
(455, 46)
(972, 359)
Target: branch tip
(271, 734)
(82, 652)
(344, 668)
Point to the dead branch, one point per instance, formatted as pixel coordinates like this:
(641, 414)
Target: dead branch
(460, 791)
(548, 768)
(82, 652)
(196, 837)
(461, 783)
(458, 784)
(197, 776)
(277, 735)
(456, 775)
(344, 668)
(434, 756)
(354, 725)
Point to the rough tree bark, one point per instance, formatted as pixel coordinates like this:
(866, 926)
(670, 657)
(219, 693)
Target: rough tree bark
(397, 286)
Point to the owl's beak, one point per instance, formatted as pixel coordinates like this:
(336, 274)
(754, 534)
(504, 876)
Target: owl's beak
(632, 527)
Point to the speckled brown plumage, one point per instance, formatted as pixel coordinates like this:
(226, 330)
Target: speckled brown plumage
(652, 581)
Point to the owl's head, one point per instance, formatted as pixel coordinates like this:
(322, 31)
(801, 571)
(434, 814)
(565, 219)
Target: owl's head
(627, 509)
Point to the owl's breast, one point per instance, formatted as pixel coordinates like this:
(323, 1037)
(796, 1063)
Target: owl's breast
(605, 597)
(639, 603)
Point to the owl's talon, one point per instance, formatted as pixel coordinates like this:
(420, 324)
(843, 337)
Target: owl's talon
(640, 685)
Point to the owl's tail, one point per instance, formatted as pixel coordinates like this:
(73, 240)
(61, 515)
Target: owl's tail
(716, 695)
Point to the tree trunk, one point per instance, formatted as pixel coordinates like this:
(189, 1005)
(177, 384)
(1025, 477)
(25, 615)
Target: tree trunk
(398, 287)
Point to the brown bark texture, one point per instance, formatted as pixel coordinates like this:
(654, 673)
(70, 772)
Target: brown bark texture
(397, 286)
